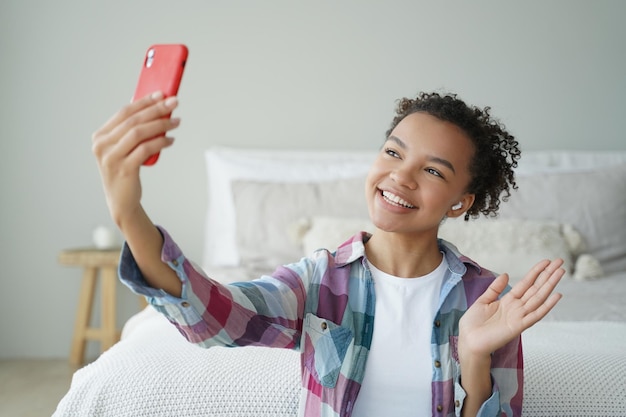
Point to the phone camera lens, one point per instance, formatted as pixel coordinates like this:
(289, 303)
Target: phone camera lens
(150, 58)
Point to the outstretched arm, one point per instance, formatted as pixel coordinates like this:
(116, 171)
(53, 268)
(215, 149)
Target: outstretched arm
(120, 147)
(492, 322)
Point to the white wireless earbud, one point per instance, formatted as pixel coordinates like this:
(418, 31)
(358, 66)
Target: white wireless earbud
(457, 206)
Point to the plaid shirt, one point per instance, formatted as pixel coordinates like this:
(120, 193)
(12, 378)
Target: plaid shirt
(323, 306)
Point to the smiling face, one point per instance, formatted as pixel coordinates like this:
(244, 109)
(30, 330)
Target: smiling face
(420, 173)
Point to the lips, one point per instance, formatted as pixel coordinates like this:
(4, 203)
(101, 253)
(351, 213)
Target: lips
(395, 200)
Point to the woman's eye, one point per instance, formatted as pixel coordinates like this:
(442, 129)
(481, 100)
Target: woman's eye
(434, 172)
(391, 152)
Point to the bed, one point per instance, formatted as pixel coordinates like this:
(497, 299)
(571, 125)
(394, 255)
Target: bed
(570, 204)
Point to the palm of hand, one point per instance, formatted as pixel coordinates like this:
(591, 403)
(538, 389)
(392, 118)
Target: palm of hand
(492, 322)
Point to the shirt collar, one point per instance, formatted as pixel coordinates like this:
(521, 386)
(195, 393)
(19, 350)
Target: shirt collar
(354, 248)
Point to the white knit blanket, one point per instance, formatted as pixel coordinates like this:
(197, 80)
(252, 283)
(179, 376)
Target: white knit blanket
(572, 369)
(575, 369)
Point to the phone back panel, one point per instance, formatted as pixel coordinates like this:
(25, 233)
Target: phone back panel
(162, 70)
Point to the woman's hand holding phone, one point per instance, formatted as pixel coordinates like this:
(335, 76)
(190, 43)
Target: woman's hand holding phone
(136, 134)
(121, 146)
(133, 137)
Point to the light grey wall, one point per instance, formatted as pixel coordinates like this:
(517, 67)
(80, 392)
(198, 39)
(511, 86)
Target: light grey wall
(273, 74)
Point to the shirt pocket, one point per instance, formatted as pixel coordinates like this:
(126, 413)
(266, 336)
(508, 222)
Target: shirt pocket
(326, 344)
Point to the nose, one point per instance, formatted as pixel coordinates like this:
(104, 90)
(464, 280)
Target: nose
(404, 178)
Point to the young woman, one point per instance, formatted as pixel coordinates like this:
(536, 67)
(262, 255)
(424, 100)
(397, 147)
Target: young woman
(394, 323)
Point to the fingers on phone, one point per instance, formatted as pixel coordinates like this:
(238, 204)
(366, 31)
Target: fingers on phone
(170, 103)
(147, 131)
(146, 153)
(127, 111)
(145, 120)
(131, 118)
(150, 109)
(157, 95)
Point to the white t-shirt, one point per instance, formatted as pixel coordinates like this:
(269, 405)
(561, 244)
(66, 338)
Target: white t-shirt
(398, 374)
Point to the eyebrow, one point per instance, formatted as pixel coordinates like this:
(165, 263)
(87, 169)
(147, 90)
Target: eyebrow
(431, 158)
(397, 140)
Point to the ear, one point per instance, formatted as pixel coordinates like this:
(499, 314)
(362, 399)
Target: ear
(465, 204)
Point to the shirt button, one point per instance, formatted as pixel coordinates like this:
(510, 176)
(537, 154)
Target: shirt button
(437, 364)
(457, 403)
(175, 262)
(184, 304)
(437, 323)
(439, 408)
(324, 325)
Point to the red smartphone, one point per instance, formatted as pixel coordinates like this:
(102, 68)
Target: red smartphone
(162, 70)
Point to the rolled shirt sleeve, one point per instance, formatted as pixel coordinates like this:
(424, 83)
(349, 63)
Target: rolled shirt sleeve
(265, 312)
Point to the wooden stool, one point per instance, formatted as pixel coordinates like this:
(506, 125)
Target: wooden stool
(96, 262)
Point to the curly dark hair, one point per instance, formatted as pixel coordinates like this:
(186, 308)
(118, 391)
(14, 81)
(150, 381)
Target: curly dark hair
(496, 150)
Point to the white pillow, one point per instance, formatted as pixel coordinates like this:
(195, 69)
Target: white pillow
(594, 202)
(541, 162)
(224, 165)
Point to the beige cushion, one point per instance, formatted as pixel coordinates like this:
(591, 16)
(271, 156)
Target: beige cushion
(265, 212)
(511, 246)
(322, 232)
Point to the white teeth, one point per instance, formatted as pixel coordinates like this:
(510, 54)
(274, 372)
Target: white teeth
(396, 200)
